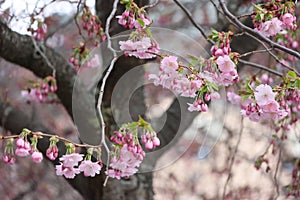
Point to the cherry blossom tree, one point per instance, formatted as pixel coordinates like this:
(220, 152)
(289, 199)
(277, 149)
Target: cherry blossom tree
(106, 159)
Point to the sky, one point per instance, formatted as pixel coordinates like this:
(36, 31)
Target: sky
(22, 8)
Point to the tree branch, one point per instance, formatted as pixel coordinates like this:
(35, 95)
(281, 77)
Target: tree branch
(255, 33)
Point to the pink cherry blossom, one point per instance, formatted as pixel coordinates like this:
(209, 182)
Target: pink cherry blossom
(288, 20)
(68, 172)
(169, 64)
(271, 107)
(37, 157)
(225, 64)
(264, 94)
(126, 163)
(271, 27)
(9, 159)
(140, 48)
(127, 19)
(23, 148)
(52, 152)
(71, 160)
(90, 168)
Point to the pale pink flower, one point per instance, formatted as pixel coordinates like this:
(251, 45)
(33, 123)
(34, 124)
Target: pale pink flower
(288, 20)
(140, 48)
(23, 148)
(125, 164)
(264, 94)
(89, 168)
(271, 27)
(71, 160)
(225, 64)
(68, 172)
(37, 157)
(169, 64)
(271, 107)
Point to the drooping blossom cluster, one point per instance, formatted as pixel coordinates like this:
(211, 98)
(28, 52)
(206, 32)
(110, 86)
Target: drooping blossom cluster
(265, 102)
(223, 56)
(140, 43)
(142, 48)
(69, 163)
(79, 56)
(41, 91)
(273, 17)
(127, 153)
(38, 29)
(92, 25)
(259, 106)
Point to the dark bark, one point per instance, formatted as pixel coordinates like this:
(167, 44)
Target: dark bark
(19, 49)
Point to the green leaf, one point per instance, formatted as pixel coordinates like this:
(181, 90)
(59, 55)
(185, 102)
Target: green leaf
(244, 98)
(141, 22)
(297, 83)
(292, 74)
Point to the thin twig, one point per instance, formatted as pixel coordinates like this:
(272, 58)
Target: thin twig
(273, 55)
(275, 175)
(112, 63)
(233, 157)
(151, 5)
(251, 31)
(189, 15)
(49, 135)
(36, 46)
(259, 66)
(76, 21)
(257, 51)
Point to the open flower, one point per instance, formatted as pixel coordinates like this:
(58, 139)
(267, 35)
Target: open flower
(89, 168)
(71, 160)
(225, 64)
(264, 94)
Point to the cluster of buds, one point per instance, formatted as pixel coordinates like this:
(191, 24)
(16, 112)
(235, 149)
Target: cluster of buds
(224, 58)
(133, 16)
(38, 29)
(24, 148)
(79, 56)
(140, 43)
(92, 24)
(41, 91)
(274, 16)
(260, 160)
(127, 153)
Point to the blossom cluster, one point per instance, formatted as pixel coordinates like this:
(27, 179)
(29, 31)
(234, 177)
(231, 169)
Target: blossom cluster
(221, 52)
(38, 29)
(140, 43)
(274, 17)
(265, 102)
(133, 17)
(127, 153)
(92, 25)
(41, 91)
(79, 56)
